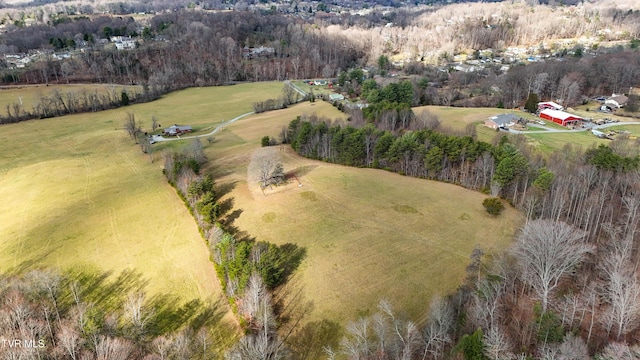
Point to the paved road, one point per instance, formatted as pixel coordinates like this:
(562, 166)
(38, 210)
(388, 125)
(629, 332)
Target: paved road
(296, 88)
(160, 138)
(551, 130)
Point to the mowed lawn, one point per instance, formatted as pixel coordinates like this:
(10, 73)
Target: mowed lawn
(369, 234)
(78, 193)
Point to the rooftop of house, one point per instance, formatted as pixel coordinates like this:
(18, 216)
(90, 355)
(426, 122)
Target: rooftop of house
(503, 119)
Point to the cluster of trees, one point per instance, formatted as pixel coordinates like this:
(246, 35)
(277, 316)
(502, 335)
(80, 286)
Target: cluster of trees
(423, 153)
(386, 335)
(87, 315)
(570, 81)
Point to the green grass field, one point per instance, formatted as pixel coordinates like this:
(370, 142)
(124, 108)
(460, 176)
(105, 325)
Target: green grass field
(78, 193)
(369, 234)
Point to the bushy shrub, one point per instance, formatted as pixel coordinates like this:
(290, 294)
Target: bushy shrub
(493, 205)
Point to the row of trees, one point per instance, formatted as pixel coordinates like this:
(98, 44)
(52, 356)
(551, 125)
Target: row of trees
(251, 272)
(59, 103)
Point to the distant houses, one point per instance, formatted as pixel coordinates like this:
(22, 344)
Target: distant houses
(123, 43)
(175, 130)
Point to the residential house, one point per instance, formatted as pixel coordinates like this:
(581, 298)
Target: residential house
(176, 129)
(501, 121)
(616, 101)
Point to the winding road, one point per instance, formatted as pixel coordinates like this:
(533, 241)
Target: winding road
(160, 138)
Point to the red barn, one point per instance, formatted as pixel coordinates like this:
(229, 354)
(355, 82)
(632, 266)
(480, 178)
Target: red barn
(560, 117)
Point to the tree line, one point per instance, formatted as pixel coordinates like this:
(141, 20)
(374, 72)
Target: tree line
(253, 274)
(59, 103)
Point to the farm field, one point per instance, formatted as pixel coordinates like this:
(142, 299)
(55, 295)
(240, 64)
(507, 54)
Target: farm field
(77, 193)
(369, 234)
(30, 95)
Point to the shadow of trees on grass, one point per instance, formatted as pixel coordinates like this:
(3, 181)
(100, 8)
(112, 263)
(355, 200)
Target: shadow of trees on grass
(91, 313)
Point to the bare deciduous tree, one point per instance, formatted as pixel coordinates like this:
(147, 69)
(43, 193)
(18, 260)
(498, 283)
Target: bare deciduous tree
(436, 334)
(573, 348)
(196, 150)
(132, 127)
(263, 342)
(497, 345)
(548, 250)
(266, 167)
(69, 339)
(619, 351)
(136, 313)
(109, 348)
(154, 123)
(622, 288)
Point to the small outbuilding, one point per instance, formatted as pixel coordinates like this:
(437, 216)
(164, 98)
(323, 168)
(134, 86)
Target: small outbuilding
(549, 105)
(501, 121)
(561, 117)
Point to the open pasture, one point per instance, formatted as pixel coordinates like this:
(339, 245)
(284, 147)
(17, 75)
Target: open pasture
(369, 234)
(77, 192)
